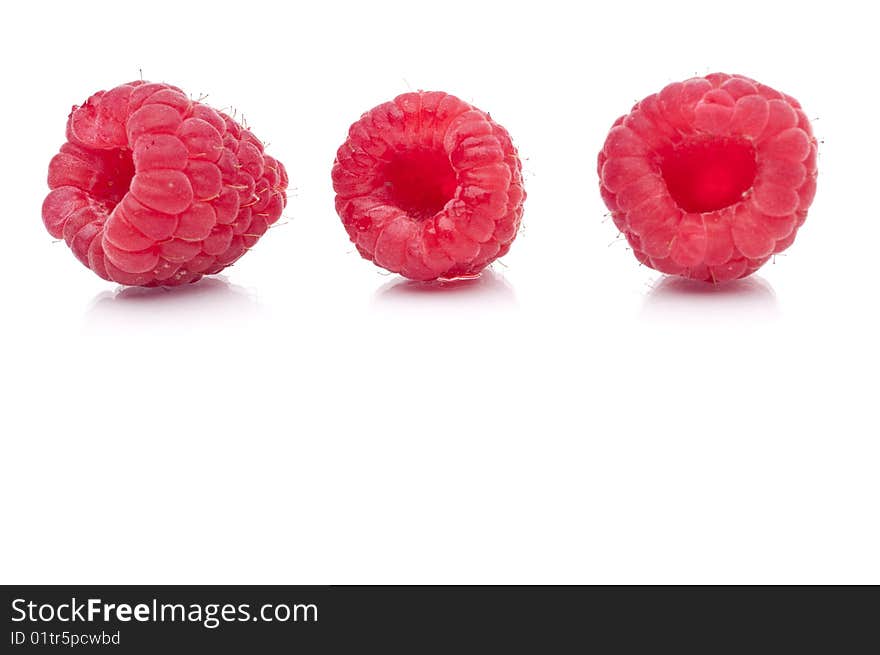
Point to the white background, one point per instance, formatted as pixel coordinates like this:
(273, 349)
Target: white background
(570, 417)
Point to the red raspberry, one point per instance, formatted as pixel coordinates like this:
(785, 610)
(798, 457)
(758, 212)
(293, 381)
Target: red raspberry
(710, 177)
(429, 187)
(152, 188)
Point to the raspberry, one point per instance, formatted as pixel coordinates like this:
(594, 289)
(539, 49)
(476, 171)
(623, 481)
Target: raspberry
(429, 187)
(152, 188)
(710, 177)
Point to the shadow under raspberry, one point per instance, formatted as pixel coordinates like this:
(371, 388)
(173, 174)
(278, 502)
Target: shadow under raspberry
(488, 288)
(211, 299)
(675, 296)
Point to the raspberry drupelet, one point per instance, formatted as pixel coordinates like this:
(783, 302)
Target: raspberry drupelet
(153, 188)
(429, 187)
(710, 177)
